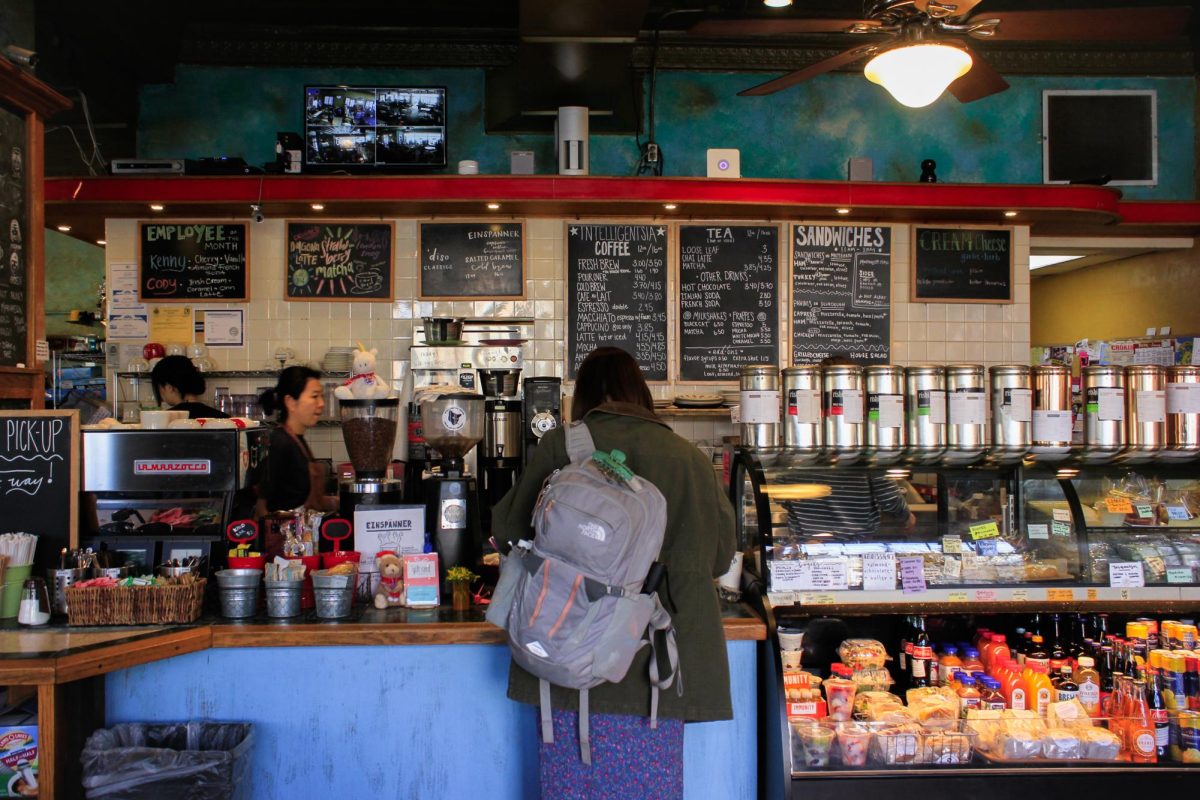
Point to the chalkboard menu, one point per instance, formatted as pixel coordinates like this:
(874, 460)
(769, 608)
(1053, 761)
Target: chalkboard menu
(339, 261)
(841, 293)
(962, 265)
(187, 261)
(728, 299)
(617, 294)
(14, 221)
(39, 477)
(472, 259)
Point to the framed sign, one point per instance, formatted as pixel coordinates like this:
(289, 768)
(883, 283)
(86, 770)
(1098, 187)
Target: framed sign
(472, 259)
(182, 262)
(39, 478)
(345, 261)
(961, 264)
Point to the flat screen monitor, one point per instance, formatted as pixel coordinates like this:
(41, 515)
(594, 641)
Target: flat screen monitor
(364, 128)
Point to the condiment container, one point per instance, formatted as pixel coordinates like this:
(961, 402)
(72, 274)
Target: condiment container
(803, 431)
(925, 387)
(967, 423)
(1104, 412)
(886, 434)
(843, 410)
(1183, 413)
(35, 603)
(1145, 411)
(1053, 420)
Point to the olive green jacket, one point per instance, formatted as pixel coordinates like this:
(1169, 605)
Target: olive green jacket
(698, 547)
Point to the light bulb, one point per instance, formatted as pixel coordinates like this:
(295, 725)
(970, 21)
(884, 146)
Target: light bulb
(917, 74)
(777, 3)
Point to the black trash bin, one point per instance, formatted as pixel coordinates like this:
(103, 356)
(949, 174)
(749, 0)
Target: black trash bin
(148, 761)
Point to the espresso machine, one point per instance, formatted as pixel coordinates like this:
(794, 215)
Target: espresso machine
(369, 431)
(500, 456)
(542, 410)
(453, 424)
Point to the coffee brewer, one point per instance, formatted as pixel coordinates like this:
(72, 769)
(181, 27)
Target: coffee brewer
(542, 410)
(500, 456)
(453, 424)
(369, 431)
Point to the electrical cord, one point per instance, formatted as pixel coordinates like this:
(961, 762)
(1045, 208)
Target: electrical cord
(96, 158)
(651, 157)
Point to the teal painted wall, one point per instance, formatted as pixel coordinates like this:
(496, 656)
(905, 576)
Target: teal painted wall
(807, 132)
(74, 270)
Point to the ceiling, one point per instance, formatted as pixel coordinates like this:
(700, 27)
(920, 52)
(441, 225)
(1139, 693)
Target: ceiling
(108, 48)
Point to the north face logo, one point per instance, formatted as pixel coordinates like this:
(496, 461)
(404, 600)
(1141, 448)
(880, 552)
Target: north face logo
(593, 530)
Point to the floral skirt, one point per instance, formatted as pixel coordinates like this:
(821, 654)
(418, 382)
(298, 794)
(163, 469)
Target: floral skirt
(630, 760)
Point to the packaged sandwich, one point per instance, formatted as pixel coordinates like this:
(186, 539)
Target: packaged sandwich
(1018, 745)
(936, 711)
(862, 653)
(946, 747)
(1067, 714)
(1061, 743)
(1100, 743)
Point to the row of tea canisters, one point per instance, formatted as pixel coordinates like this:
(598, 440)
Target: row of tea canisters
(1141, 412)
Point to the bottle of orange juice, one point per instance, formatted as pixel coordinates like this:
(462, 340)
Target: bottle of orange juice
(948, 664)
(999, 649)
(1016, 692)
(1039, 691)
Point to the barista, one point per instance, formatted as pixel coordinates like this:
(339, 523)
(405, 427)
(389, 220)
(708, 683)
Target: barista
(178, 384)
(294, 478)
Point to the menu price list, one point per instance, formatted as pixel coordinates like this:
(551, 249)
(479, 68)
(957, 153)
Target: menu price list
(841, 293)
(13, 212)
(728, 287)
(617, 294)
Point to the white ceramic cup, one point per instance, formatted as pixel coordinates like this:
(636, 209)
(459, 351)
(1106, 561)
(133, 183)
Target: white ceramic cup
(155, 420)
(791, 659)
(732, 579)
(791, 639)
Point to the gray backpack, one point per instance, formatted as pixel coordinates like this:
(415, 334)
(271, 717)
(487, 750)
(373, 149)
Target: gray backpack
(572, 600)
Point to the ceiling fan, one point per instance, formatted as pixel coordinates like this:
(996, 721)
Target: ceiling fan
(919, 47)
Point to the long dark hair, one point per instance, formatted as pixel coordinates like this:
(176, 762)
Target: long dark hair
(177, 371)
(609, 374)
(291, 384)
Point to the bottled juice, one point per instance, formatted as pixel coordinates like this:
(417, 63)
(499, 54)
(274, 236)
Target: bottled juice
(1088, 680)
(999, 649)
(1191, 684)
(971, 662)
(990, 696)
(948, 664)
(1039, 692)
(968, 694)
(1038, 654)
(1015, 690)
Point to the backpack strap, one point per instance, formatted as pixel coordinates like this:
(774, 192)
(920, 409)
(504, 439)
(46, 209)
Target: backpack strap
(547, 719)
(660, 621)
(579, 442)
(585, 738)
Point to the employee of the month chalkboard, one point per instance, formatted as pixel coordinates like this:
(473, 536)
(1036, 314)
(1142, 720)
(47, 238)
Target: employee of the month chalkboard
(188, 261)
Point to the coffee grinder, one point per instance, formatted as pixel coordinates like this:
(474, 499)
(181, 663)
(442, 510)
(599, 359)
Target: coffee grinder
(542, 410)
(500, 456)
(369, 431)
(453, 424)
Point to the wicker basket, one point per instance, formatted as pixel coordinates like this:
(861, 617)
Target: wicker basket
(135, 605)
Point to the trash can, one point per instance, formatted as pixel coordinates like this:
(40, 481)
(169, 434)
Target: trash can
(151, 760)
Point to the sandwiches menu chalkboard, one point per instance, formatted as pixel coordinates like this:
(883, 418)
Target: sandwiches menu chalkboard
(39, 477)
(617, 294)
(841, 293)
(339, 260)
(472, 259)
(962, 265)
(188, 261)
(728, 299)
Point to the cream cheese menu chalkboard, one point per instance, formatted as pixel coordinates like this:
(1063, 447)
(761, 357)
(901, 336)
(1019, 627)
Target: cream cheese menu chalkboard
(841, 293)
(728, 306)
(617, 294)
(189, 261)
(962, 264)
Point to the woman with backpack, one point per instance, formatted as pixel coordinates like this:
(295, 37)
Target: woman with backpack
(629, 758)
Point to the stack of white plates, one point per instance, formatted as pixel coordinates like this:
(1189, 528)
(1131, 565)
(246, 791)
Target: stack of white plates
(338, 359)
(698, 400)
(731, 396)
(662, 402)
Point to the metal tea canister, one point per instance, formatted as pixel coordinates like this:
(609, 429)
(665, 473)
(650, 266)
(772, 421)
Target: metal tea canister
(1183, 413)
(1053, 419)
(967, 416)
(759, 408)
(1145, 411)
(925, 388)
(886, 434)
(1104, 412)
(843, 408)
(1012, 411)
(803, 431)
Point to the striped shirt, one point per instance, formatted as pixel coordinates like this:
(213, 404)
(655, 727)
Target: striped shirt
(852, 508)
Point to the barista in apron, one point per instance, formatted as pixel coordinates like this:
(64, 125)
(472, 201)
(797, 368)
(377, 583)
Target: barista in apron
(294, 478)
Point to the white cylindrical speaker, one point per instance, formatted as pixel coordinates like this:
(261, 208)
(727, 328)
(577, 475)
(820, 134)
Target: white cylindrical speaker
(571, 135)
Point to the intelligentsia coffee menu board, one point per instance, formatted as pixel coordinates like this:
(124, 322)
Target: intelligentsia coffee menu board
(962, 265)
(339, 261)
(728, 299)
(188, 261)
(617, 294)
(13, 223)
(39, 477)
(841, 293)
(472, 259)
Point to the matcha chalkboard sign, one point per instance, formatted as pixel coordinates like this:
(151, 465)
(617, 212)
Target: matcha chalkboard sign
(841, 293)
(188, 261)
(728, 299)
(39, 478)
(14, 220)
(617, 294)
(472, 259)
(339, 261)
(962, 265)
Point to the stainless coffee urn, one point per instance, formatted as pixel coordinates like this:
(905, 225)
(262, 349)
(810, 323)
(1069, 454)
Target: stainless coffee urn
(1012, 412)
(1145, 412)
(925, 387)
(803, 433)
(1104, 412)
(759, 410)
(1183, 413)
(1053, 421)
(843, 408)
(967, 423)
(886, 434)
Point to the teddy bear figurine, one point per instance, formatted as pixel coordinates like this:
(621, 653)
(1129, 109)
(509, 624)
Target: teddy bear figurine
(363, 383)
(391, 579)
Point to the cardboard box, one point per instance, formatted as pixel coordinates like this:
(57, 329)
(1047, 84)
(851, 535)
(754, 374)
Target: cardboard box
(18, 755)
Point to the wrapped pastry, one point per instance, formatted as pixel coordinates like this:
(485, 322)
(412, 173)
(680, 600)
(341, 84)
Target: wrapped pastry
(985, 724)
(948, 747)
(1067, 714)
(873, 679)
(862, 653)
(1018, 745)
(914, 696)
(895, 715)
(936, 711)
(1061, 743)
(896, 746)
(869, 705)
(1100, 743)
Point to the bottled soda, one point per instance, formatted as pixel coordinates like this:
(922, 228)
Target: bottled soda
(1088, 680)
(1140, 727)
(922, 654)
(1158, 714)
(1066, 689)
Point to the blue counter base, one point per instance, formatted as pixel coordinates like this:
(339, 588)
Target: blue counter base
(428, 722)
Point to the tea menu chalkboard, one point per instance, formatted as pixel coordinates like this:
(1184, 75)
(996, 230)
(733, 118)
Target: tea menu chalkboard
(339, 261)
(188, 261)
(13, 224)
(841, 293)
(472, 259)
(728, 299)
(39, 477)
(617, 294)
(962, 265)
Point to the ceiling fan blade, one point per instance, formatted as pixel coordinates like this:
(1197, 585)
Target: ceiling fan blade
(1095, 24)
(772, 27)
(946, 8)
(981, 80)
(811, 71)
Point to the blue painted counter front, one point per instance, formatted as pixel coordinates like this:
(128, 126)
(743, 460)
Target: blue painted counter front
(410, 721)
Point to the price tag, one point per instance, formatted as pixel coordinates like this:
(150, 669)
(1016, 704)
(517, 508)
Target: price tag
(830, 573)
(1118, 505)
(817, 599)
(985, 595)
(879, 572)
(912, 574)
(958, 597)
(785, 575)
(1060, 595)
(779, 599)
(1038, 531)
(1180, 575)
(986, 547)
(1093, 594)
(1062, 514)
(1060, 528)
(1144, 511)
(952, 569)
(951, 544)
(1020, 595)
(1126, 574)
(1178, 512)
(985, 530)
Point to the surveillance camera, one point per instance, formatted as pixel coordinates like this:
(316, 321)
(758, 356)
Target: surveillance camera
(21, 56)
(256, 213)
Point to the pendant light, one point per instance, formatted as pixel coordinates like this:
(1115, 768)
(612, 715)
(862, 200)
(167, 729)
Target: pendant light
(916, 74)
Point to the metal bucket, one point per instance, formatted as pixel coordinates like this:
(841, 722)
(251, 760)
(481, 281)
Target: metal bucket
(1145, 411)
(1052, 414)
(283, 598)
(803, 433)
(967, 415)
(1183, 413)
(759, 409)
(1104, 412)
(238, 603)
(238, 578)
(925, 387)
(334, 594)
(843, 407)
(1012, 411)
(886, 435)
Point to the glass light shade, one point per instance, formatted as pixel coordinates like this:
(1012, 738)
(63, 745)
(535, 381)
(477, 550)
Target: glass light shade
(777, 3)
(917, 74)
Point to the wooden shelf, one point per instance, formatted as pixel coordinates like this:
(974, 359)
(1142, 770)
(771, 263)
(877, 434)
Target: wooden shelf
(676, 411)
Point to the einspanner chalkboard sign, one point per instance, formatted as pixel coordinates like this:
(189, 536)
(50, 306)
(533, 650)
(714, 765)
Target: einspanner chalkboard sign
(617, 294)
(39, 478)
(841, 293)
(472, 259)
(728, 299)
(330, 260)
(188, 261)
(962, 265)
